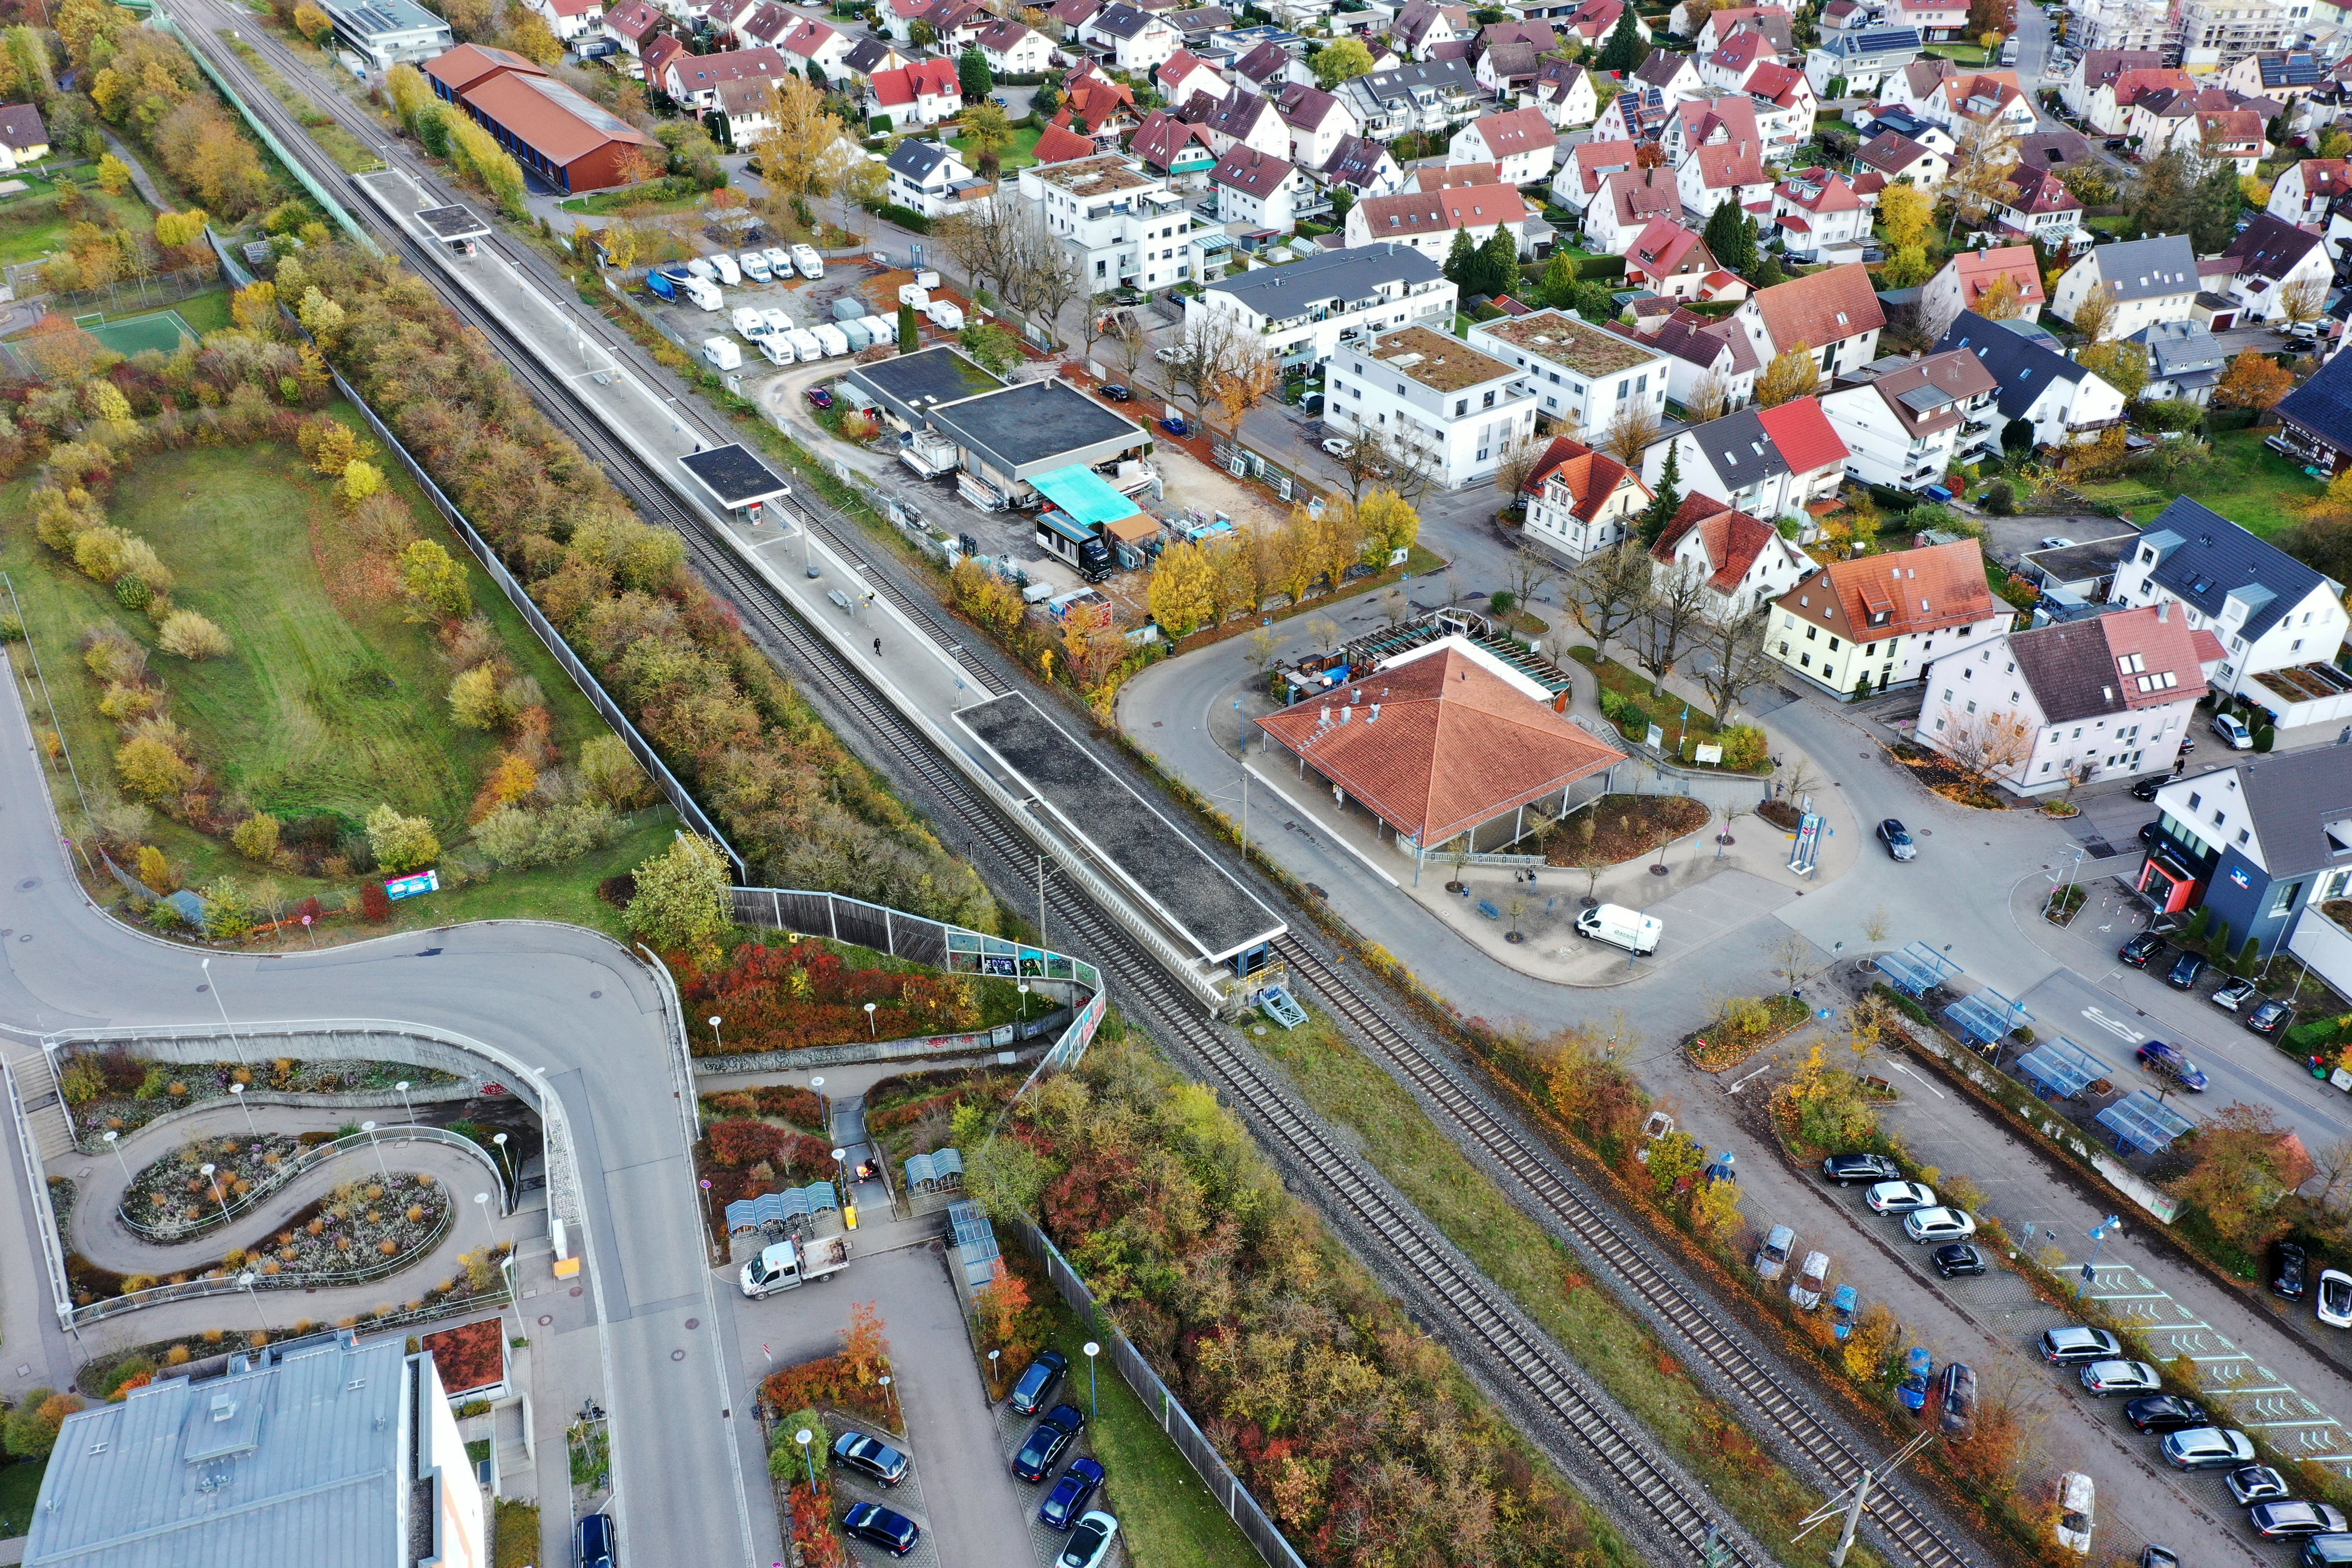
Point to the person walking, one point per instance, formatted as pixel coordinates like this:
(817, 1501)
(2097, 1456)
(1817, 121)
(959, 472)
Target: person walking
(877, 647)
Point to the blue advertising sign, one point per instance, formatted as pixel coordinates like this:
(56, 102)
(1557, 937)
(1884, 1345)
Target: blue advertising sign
(411, 885)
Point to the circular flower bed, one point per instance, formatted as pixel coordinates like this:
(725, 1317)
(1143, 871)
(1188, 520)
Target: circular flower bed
(172, 1199)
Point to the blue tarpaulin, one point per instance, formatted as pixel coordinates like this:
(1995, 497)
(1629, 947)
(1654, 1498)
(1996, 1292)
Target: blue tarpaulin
(1083, 494)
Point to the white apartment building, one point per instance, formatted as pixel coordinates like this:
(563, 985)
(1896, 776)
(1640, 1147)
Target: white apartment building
(1307, 309)
(2121, 23)
(1433, 394)
(1584, 379)
(1906, 428)
(2269, 610)
(2222, 32)
(1126, 227)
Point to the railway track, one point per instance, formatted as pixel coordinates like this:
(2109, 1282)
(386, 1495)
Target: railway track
(1516, 1354)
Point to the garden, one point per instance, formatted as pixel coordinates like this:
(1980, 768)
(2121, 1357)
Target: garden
(952, 1108)
(813, 992)
(206, 1181)
(1632, 702)
(113, 1091)
(1617, 828)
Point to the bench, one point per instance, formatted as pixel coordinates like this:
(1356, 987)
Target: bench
(837, 597)
(1487, 907)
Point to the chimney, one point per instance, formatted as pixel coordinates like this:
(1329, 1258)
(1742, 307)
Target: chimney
(1347, 713)
(1375, 714)
(1327, 713)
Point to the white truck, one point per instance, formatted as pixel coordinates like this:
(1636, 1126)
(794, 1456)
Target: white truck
(1619, 927)
(787, 1265)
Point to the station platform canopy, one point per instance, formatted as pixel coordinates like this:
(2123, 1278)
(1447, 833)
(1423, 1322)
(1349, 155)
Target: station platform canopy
(735, 478)
(1084, 496)
(454, 223)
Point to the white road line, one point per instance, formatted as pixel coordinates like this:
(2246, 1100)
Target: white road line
(2330, 1422)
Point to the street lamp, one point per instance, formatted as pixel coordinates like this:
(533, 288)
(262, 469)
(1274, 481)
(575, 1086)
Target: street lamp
(801, 1437)
(248, 1280)
(369, 1128)
(113, 1141)
(892, 1398)
(716, 1038)
(1024, 988)
(841, 1165)
(869, 1021)
(238, 1090)
(1094, 1394)
(407, 1110)
(991, 1372)
(482, 1202)
(219, 1196)
(2111, 1226)
(500, 1140)
(223, 1006)
(825, 1111)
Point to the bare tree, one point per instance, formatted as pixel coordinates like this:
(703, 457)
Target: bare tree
(2303, 302)
(1394, 606)
(984, 244)
(1046, 274)
(1530, 572)
(1677, 609)
(1128, 342)
(1609, 590)
(1981, 162)
(1374, 455)
(1711, 400)
(1364, 461)
(1210, 342)
(1986, 746)
(1631, 433)
(1103, 313)
(1792, 959)
(1736, 643)
(1519, 462)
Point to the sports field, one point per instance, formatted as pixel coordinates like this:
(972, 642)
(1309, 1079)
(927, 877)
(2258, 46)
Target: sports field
(162, 330)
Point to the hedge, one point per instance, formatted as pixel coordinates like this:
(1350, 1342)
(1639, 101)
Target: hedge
(905, 217)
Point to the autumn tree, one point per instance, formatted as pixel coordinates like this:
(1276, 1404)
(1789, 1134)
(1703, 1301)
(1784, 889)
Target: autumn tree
(1184, 591)
(1904, 213)
(2002, 299)
(1985, 152)
(2122, 364)
(1517, 462)
(2301, 301)
(2094, 316)
(681, 902)
(1609, 589)
(2244, 1167)
(1631, 433)
(792, 153)
(2254, 380)
(1343, 59)
(1387, 523)
(1790, 375)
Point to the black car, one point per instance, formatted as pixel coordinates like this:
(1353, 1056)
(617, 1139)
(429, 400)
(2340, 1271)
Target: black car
(1847, 1169)
(2142, 950)
(2146, 787)
(592, 1540)
(1055, 1433)
(872, 1455)
(2185, 969)
(1959, 1391)
(2290, 1270)
(2269, 1018)
(893, 1532)
(1958, 1261)
(2158, 1557)
(1897, 840)
(2166, 1413)
(1043, 1373)
(1117, 394)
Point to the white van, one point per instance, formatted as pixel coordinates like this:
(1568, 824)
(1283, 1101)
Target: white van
(811, 265)
(705, 293)
(1621, 927)
(729, 273)
(2233, 729)
(754, 265)
(722, 354)
(775, 323)
(748, 321)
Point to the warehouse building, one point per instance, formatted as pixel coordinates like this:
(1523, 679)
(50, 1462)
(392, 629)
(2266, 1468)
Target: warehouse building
(561, 139)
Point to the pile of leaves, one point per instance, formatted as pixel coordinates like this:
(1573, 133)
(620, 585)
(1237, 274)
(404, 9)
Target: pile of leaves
(783, 998)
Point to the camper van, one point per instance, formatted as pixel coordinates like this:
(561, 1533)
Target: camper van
(775, 323)
(1621, 927)
(722, 354)
(729, 273)
(806, 259)
(748, 323)
(754, 265)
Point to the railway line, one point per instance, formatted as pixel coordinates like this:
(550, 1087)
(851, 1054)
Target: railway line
(1676, 1512)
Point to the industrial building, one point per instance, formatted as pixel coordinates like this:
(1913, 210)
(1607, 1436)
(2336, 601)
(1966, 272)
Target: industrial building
(560, 138)
(1002, 437)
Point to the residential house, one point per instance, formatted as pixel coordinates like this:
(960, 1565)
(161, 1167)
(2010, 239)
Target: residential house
(2061, 400)
(2316, 418)
(1361, 166)
(1565, 93)
(2059, 149)
(1987, 96)
(932, 179)
(1742, 562)
(1423, 25)
(1175, 150)
(1586, 165)
(1728, 67)
(1785, 107)
(869, 55)
(1427, 220)
(2185, 361)
(921, 94)
(2165, 118)
(1579, 501)
(1875, 622)
(1593, 21)
(1305, 310)
(1897, 159)
(1104, 104)
(1834, 314)
(1774, 22)
(631, 23)
(1123, 227)
(2036, 205)
(2149, 280)
(1319, 122)
(1267, 67)
(2271, 611)
(24, 140)
(2283, 272)
(2137, 25)
(571, 19)
(1938, 21)
(1506, 55)
(2306, 189)
(746, 110)
(1423, 96)
(2103, 90)
(1638, 114)
(1819, 212)
(1718, 120)
(1258, 189)
(1520, 140)
(1723, 172)
(1625, 205)
(1675, 76)
(656, 54)
(1585, 378)
(1184, 73)
(1910, 422)
(1962, 283)
(1064, 18)
(1458, 410)
(2284, 74)
(695, 78)
(1845, 17)
(1860, 63)
(1669, 260)
(1246, 120)
(1706, 359)
(1772, 463)
(2106, 696)
(1013, 48)
(2266, 850)
(1135, 40)
(815, 44)
(1060, 144)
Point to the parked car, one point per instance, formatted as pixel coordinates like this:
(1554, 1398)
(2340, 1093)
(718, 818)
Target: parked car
(2076, 1499)
(2186, 968)
(2166, 1413)
(1089, 1545)
(1772, 1258)
(2233, 731)
(1055, 1433)
(2075, 1345)
(1899, 1197)
(2290, 1270)
(2269, 1018)
(819, 397)
(2102, 1378)
(1897, 840)
(1938, 1224)
(2325, 1551)
(1958, 1261)
(1846, 1307)
(2256, 1483)
(2207, 1448)
(2166, 1062)
(1811, 1280)
(1117, 394)
(1960, 1390)
(2288, 1521)
(2234, 995)
(593, 1542)
(2334, 1302)
(1847, 1169)
(2141, 950)
(872, 1455)
(1919, 1371)
(1176, 424)
(1029, 1394)
(1168, 356)
(1071, 1493)
(1338, 448)
(2146, 787)
(892, 1531)
(2056, 541)
(2154, 1557)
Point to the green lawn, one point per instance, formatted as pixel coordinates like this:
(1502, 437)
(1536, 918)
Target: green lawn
(31, 226)
(1020, 154)
(206, 312)
(1963, 54)
(662, 196)
(1666, 712)
(20, 1486)
(2254, 486)
(1610, 1344)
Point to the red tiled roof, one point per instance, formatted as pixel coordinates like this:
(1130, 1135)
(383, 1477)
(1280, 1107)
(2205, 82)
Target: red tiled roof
(633, 19)
(1820, 308)
(2208, 647)
(1732, 540)
(1589, 477)
(1665, 247)
(2038, 191)
(1803, 434)
(1980, 269)
(1455, 745)
(698, 73)
(1058, 145)
(1590, 157)
(1725, 165)
(2325, 178)
(468, 1357)
(1438, 212)
(2163, 647)
(1777, 84)
(1517, 130)
(935, 77)
(1161, 138)
(556, 122)
(462, 66)
(1638, 195)
(1921, 590)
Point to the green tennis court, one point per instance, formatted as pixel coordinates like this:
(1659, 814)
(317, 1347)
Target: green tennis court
(159, 329)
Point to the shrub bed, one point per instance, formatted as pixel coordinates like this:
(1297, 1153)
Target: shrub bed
(797, 1107)
(112, 1090)
(171, 1199)
(1745, 1026)
(781, 998)
(1618, 828)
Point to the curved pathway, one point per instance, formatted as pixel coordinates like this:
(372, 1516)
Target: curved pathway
(588, 1015)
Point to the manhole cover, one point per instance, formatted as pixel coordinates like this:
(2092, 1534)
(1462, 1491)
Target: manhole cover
(575, 1289)
(595, 995)
(28, 883)
(678, 1355)
(545, 1319)
(1257, 1029)
(1657, 871)
(694, 1323)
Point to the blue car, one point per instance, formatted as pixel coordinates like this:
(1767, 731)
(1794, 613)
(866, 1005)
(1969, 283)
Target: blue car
(1918, 1375)
(1071, 1494)
(2169, 1062)
(1176, 424)
(1842, 1307)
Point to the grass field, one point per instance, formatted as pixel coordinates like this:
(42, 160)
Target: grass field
(206, 312)
(1019, 154)
(31, 226)
(1543, 1277)
(20, 1486)
(162, 330)
(2253, 487)
(667, 197)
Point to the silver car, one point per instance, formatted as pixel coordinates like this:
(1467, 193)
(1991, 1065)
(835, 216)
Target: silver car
(1899, 1197)
(2102, 1378)
(2207, 1448)
(1928, 1225)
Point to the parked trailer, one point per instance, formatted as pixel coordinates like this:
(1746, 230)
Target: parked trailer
(705, 294)
(860, 340)
(849, 308)
(722, 354)
(882, 329)
(1080, 547)
(836, 341)
(775, 323)
(946, 315)
(927, 280)
(805, 344)
(778, 348)
(729, 273)
(914, 294)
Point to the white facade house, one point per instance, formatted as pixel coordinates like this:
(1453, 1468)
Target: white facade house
(1259, 190)
(929, 177)
(1964, 282)
(1585, 166)
(1137, 41)
(1770, 463)
(1427, 220)
(2282, 271)
(1835, 313)
(2063, 401)
(1723, 172)
(1432, 394)
(1319, 122)
(1819, 211)
(1123, 226)
(921, 94)
(569, 19)
(2107, 697)
(1874, 621)
(1579, 501)
(1906, 429)
(1519, 142)
(2305, 191)
(2150, 280)
(1013, 48)
(1307, 309)
(1741, 563)
(1583, 379)
(2270, 611)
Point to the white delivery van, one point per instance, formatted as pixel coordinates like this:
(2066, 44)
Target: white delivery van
(786, 1264)
(729, 273)
(747, 322)
(705, 293)
(778, 348)
(835, 340)
(775, 323)
(722, 354)
(811, 265)
(805, 345)
(1621, 927)
(754, 265)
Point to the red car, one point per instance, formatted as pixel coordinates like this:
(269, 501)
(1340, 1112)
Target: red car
(819, 398)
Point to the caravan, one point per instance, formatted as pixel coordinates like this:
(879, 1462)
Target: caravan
(704, 293)
(722, 354)
(811, 265)
(729, 273)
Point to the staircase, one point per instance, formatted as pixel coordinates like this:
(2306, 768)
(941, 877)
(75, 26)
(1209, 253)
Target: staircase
(39, 1104)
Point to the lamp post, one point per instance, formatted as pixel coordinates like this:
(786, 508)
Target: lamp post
(716, 1038)
(223, 1012)
(885, 1381)
(238, 1090)
(407, 1110)
(841, 1169)
(219, 1196)
(823, 1111)
(1094, 1392)
(801, 1437)
(2111, 1226)
(500, 1140)
(991, 1372)
(369, 1128)
(248, 1280)
(1024, 988)
(869, 1022)
(482, 1202)
(113, 1141)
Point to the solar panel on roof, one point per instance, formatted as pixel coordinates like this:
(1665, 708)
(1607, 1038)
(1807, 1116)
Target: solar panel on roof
(1924, 400)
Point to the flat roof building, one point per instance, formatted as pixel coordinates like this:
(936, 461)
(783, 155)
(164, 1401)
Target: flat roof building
(388, 33)
(909, 387)
(1011, 437)
(329, 1452)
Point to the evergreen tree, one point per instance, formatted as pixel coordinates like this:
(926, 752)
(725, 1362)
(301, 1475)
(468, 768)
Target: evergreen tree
(1731, 236)
(1461, 261)
(2214, 210)
(2165, 198)
(973, 75)
(1768, 272)
(1623, 50)
(1499, 263)
(1668, 500)
(1559, 290)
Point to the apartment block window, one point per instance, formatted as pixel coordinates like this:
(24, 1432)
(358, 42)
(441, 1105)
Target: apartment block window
(2244, 834)
(1461, 406)
(1813, 633)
